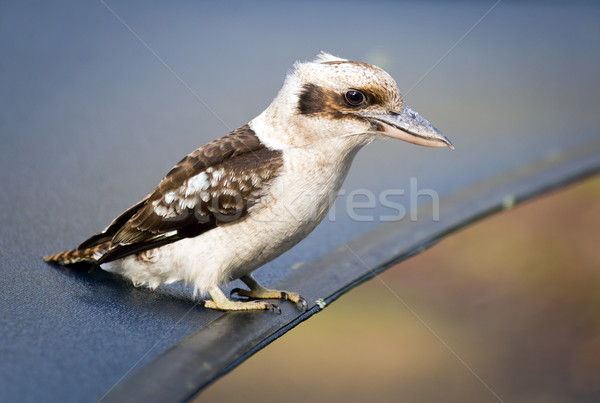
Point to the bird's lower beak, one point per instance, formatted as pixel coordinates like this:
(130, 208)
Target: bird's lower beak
(409, 126)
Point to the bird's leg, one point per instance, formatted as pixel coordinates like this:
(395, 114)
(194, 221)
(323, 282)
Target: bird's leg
(259, 292)
(220, 301)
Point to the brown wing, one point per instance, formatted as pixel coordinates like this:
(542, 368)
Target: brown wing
(215, 184)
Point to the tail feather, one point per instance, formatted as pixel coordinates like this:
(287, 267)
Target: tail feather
(74, 256)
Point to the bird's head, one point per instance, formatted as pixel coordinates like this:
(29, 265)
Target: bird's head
(345, 101)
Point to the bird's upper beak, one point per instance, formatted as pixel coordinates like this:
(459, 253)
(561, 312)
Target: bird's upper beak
(409, 126)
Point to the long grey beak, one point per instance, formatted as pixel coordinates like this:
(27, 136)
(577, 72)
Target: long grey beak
(409, 126)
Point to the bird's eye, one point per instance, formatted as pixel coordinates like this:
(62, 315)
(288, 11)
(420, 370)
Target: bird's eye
(354, 97)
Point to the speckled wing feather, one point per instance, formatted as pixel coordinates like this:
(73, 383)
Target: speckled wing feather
(214, 185)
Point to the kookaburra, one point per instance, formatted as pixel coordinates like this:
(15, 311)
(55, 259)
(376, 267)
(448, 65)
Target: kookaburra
(245, 198)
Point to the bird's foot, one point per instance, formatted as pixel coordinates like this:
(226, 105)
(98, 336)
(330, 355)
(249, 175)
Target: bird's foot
(242, 306)
(267, 293)
(257, 291)
(221, 302)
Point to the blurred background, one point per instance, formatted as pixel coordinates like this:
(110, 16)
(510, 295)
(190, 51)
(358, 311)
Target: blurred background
(98, 100)
(515, 299)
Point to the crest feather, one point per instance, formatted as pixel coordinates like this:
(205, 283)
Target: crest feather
(324, 57)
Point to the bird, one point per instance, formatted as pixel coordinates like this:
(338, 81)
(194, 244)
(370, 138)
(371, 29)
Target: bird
(242, 200)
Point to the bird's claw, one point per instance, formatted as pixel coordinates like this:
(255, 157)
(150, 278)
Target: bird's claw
(301, 304)
(296, 299)
(273, 307)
